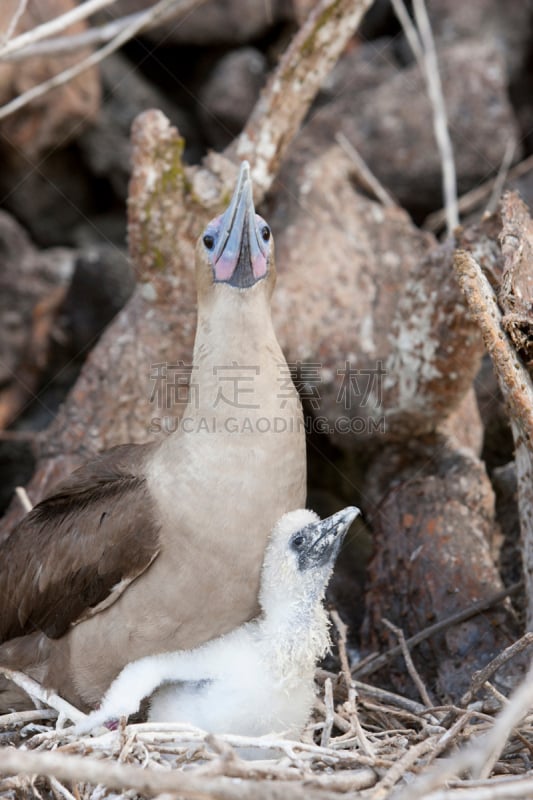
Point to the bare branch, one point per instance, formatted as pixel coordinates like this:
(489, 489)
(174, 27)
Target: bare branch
(365, 176)
(25, 501)
(423, 46)
(14, 21)
(35, 690)
(472, 199)
(375, 662)
(480, 757)
(291, 89)
(513, 378)
(127, 33)
(501, 177)
(409, 663)
(54, 26)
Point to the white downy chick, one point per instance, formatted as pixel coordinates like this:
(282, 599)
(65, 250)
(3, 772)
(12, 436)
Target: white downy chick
(259, 678)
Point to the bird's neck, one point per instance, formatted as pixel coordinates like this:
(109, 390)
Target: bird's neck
(238, 363)
(297, 635)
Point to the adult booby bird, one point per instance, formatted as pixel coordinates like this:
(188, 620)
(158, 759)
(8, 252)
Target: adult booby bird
(159, 547)
(259, 678)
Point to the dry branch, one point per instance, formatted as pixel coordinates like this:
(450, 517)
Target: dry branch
(54, 26)
(364, 175)
(423, 47)
(125, 34)
(472, 200)
(517, 389)
(291, 89)
(35, 690)
(374, 663)
(477, 758)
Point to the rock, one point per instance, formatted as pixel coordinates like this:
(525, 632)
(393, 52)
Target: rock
(52, 120)
(105, 144)
(508, 517)
(215, 22)
(50, 199)
(507, 25)
(102, 283)
(433, 524)
(390, 125)
(230, 93)
(383, 340)
(26, 275)
(364, 65)
(498, 446)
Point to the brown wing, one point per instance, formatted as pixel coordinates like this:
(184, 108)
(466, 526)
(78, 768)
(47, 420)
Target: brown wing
(95, 532)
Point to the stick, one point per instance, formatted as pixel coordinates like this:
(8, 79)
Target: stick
(423, 45)
(291, 89)
(330, 711)
(479, 757)
(501, 177)
(409, 663)
(517, 389)
(374, 663)
(14, 21)
(23, 498)
(127, 33)
(472, 199)
(364, 175)
(34, 689)
(75, 769)
(54, 25)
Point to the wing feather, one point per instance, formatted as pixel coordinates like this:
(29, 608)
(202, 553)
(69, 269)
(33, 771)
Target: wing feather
(95, 532)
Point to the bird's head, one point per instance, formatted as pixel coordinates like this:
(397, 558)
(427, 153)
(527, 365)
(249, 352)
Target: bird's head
(236, 249)
(300, 556)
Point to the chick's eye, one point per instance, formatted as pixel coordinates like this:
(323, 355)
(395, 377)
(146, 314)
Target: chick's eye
(298, 541)
(209, 241)
(265, 233)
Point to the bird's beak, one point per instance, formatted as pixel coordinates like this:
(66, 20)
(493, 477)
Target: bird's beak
(328, 535)
(240, 258)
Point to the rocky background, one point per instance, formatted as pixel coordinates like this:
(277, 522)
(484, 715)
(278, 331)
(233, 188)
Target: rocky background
(405, 415)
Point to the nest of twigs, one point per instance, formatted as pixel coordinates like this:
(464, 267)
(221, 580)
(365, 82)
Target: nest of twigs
(361, 740)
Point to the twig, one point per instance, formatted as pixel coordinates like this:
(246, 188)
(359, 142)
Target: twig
(55, 25)
(472, 199)
(398, 770)
(330, 711)
(34, 689)
(411, 33)
(409, 663)
(149, 781)
(60, 789)
(501, 177)
(23, 498)
(423, 45)
(478, 758)
(365, 177)
(23, 717)
(97, 35)
(479, 678)
(375, 663)
(14, 21)
(517, 388)
(127, 33)
(292, 87)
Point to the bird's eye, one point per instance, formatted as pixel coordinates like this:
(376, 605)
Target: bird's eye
(209, 241)
(298, 541)
(265, 233)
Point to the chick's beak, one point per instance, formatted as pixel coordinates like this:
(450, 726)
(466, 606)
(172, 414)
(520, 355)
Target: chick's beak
(329, 535)
(240, 257)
